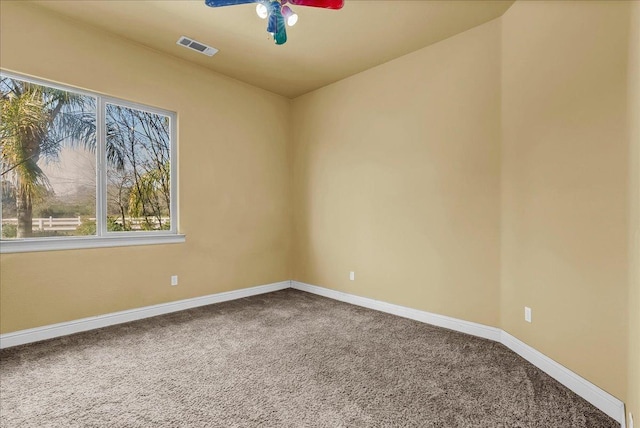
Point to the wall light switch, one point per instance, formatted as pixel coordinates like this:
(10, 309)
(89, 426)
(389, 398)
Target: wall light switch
(352, 276)
(527, 314)
(174, 279)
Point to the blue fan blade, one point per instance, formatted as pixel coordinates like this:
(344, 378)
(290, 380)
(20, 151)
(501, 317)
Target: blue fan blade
(276, 23)
(220, 3)
(272, 23)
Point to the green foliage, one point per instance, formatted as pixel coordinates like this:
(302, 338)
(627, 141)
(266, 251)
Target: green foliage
(114, 226)
(9, 230)
(8, 199)
(147, 225)
(56, 208)
(50, 233)
(87, 227)
(147, 196)
(23, 125)
(80, 204)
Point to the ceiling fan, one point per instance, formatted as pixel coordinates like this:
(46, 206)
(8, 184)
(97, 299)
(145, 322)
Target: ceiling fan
(278, 12)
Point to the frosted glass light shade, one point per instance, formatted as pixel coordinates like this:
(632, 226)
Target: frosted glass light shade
(262, 11)
(290, 16)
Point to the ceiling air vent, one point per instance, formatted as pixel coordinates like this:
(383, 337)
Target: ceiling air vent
(196, 46)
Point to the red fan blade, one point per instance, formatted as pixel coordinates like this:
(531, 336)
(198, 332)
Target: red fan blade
(327, 4)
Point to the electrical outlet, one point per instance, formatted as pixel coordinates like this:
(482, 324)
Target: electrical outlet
(352, 276)
(630, 421)
(527, 314)
(174, 279)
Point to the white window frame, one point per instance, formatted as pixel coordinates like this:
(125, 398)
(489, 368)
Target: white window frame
(104, 238)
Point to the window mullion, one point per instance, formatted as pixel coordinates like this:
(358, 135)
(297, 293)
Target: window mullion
(101, 178)
(173, 181)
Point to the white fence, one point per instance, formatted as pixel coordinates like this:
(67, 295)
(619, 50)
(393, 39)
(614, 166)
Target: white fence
(72, 223)
(50, 223)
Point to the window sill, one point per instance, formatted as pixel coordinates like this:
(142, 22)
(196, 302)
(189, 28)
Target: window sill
(52, 244)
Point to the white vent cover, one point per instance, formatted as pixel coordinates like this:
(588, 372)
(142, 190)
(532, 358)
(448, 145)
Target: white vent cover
(196, 46)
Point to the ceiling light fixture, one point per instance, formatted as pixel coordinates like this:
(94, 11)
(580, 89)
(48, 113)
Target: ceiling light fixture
(262, 11)
(277, 13)
(289, 15)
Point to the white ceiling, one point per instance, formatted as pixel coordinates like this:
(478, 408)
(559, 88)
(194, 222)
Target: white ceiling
(324, 46)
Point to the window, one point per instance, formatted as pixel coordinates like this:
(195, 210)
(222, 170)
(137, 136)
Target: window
(82, 170)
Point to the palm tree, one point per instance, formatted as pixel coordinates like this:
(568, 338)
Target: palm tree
(35, 122)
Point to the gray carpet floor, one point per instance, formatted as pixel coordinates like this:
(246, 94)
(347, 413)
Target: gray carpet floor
(284, 359)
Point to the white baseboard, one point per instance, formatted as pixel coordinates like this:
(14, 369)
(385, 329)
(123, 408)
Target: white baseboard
(590, 392)
(601, 399)
(65, 328)
(468, 327)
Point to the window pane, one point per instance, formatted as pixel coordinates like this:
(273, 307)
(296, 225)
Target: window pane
(138, 172)
(48, 163)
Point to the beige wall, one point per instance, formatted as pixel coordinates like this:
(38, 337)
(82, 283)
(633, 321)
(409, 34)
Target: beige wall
(633, 401)
(233, 189)
(396, 177)
(398, 172)
(565, 184)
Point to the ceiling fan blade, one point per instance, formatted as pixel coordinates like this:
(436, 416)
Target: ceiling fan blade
(281, 35)
(327, 4)
(220, 3)
(276, 24)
